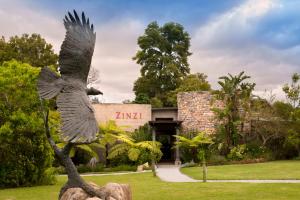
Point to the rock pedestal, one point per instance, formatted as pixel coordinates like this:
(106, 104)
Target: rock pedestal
(116, 191)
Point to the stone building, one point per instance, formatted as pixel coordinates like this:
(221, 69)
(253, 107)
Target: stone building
(193, 112)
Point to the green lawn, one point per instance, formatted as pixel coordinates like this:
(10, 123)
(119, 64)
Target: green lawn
(268, 170)
(145, 187)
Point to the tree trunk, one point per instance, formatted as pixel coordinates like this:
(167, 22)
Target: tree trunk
(153, 167)
(74, 179)
(204, 170)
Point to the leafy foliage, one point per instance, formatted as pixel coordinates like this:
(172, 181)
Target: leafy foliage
(192, 82)
(163, 56)
(31, 49)
(199, 144)
(237, 152)
(293, 91)
(25, 155)
(133, 149)
(235, 94)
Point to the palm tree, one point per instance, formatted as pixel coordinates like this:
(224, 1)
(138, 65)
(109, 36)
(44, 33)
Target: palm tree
(235, 94)
(198, 144)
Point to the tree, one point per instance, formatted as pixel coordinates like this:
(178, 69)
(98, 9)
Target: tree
(293, 91)
(266, 125)
(142, 98)
(25, 155)
(235, 94)
(283, 110)
(93, 77)
(198, 144)
(192, 82)
(32, 49)
(293, 114)
(163, 56)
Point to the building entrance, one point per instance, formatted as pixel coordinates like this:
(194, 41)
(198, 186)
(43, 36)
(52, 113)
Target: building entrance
(167, 140)
(163, 132)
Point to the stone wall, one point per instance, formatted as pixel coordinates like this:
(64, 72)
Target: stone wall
(194, 109)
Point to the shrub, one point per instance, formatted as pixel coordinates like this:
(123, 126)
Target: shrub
(237, 152)
(121, 168)
(25, 155)
(215, 159)
(86, 168)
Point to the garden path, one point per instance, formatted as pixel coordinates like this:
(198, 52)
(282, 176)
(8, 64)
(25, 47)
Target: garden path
(171, 173)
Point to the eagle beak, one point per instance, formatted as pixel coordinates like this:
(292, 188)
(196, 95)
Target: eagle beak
(93, 91)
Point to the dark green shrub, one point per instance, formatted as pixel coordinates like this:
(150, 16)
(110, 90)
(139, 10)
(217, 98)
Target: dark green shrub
(86, 168)
(216, 159)
(121, 168)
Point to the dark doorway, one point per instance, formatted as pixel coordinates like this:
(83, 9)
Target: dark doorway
(167, 143)
(164, 131)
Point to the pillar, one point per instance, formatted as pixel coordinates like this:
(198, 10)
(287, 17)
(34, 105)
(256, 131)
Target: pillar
(153, 140)
(177, 155)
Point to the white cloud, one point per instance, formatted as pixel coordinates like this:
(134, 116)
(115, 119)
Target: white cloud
(226, 44)
(116, 44)
(234, 26)
(16, 19)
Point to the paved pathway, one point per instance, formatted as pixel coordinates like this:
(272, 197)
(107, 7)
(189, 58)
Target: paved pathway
(171, 173)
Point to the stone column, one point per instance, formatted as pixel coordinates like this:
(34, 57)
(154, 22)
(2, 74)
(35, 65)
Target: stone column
(177, 156)
(153, 140)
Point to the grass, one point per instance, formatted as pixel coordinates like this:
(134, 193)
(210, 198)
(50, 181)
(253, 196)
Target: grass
(146, 187)
(258, 171)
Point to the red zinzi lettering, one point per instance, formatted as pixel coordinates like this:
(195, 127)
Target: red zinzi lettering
(128, 115)
(118, 115)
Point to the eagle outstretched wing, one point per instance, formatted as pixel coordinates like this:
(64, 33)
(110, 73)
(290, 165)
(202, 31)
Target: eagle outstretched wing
(78, 119)
(77, 48)
(77, 114)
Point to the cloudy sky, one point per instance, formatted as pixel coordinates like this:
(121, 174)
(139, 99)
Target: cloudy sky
(260, 37)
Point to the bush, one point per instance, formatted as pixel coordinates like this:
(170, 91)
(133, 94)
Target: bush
(217, 160)
(120, 160)
(25, 155)
(87, 168)
(121, 168)
(237, 152)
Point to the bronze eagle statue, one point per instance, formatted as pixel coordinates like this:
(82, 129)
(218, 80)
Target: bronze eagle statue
(79, 124)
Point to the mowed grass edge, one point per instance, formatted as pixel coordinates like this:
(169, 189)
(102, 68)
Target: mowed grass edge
(146, 187)
(282, 170)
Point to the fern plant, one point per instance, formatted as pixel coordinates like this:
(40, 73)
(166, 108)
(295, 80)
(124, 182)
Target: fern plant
(199, 144)
(128, 145)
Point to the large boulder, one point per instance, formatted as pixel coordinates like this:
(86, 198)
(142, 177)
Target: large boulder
(116, 191)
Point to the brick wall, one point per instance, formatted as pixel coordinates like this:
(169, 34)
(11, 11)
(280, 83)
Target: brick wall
(194, 109)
